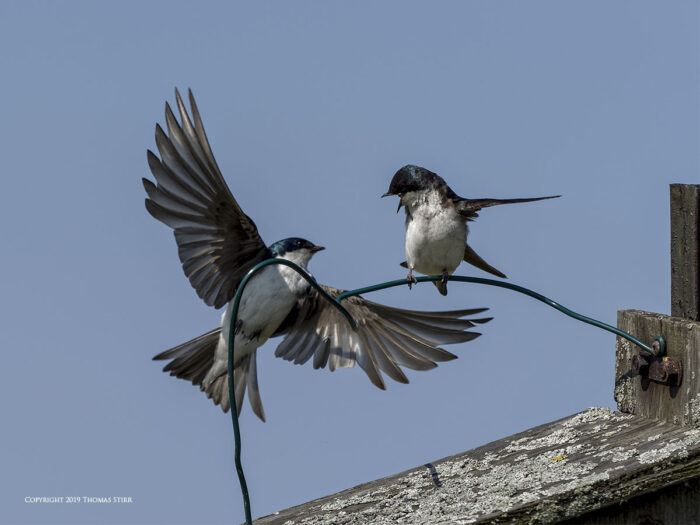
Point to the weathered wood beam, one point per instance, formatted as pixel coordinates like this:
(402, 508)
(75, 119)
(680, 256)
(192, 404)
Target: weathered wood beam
(634, 395)
(574, 468)
(685, 251)
(677, 503)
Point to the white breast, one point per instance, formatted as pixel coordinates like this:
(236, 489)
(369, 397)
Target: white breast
(435, 235)
(267, 300)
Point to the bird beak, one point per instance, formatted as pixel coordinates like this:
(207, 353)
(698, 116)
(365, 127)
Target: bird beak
(317, 249)
(388, 193)
(401, 202)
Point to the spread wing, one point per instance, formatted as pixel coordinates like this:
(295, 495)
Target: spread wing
(217, 242)
(388, 338)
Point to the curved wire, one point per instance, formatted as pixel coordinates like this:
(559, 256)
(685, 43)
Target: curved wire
(367, 289)
(516, 288)
(231, 338)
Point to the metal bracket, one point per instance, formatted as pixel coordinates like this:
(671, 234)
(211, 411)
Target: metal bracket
(662, 370)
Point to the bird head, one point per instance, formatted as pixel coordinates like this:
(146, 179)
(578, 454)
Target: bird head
(411, 179)
(295, 249)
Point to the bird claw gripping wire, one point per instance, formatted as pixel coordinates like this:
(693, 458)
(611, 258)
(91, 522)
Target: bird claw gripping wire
(411, 279)
(652, 357)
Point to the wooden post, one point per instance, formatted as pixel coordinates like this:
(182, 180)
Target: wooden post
(637, 395)
(685, 244)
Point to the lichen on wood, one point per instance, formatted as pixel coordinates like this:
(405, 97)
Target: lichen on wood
(550, 473)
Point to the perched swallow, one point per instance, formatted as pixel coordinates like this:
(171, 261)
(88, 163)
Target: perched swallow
(218, 244)
(436, 224)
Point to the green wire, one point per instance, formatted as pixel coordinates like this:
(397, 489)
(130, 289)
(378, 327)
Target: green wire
(231, 337)
(359, 291)
(509, 286)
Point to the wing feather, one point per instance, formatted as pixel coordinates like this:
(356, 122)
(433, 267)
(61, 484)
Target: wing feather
(368, 361)
(186, 176)
(217, 243)
(468, 208)
(424, 348)
(388, 338)
(403, 354)
(384, 360)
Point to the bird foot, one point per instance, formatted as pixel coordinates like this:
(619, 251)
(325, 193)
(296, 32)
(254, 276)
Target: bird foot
(443, 283)
(411, 279)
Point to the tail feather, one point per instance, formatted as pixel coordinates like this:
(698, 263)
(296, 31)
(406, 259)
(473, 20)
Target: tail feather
(473, 258)
(442, 287)
(253, 390)
(193, 359)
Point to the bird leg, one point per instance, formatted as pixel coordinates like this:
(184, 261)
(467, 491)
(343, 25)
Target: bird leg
(410, 278)
(443, 281)
(445, 275)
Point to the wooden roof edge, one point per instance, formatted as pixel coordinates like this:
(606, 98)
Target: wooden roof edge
(555, 471)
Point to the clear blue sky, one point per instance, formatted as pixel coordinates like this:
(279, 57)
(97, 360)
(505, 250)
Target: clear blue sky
(311, 107)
